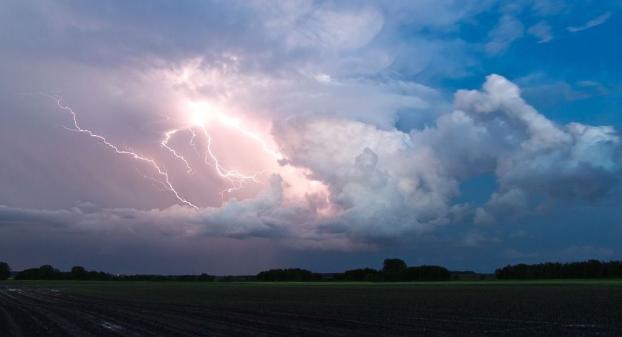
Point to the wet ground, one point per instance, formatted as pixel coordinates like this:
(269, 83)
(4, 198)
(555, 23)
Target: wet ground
(316, 311)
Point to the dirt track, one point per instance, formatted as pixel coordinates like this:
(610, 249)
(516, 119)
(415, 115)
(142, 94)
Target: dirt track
(27, 311)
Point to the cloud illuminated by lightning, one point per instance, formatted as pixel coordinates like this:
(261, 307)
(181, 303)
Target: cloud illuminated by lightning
(200, 114)
(165, 177)
(235, 177)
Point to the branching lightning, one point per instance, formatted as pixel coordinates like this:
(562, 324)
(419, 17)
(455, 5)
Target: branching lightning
(165, 177)
(234, 177)
(202, 113)
(164, 143)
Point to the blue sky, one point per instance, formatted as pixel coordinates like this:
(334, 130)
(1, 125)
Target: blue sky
(586, 60)
(185, 137)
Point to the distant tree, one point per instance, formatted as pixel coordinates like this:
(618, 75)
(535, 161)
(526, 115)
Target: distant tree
(206, 278)
(5, 271)
(426, 273)
(45, 272)
(291, 274)
(49, 273)
(363, 274)
(393, 269)
(79, 273)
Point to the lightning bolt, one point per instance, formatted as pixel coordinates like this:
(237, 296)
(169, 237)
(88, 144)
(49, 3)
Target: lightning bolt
(192, 139)
(235, 178)
(164, 144)
(162, 173)
(235, 124)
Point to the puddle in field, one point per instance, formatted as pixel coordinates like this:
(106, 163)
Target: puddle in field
(111, 326)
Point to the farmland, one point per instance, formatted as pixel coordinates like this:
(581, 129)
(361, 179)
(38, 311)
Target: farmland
(543, 308)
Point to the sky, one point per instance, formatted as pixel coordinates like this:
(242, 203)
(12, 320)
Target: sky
(230, 137)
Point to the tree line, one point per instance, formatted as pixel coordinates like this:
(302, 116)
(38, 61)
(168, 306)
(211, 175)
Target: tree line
(290, 274)
(47, 272)
(393, 270)
(396, 270)
(555, 270)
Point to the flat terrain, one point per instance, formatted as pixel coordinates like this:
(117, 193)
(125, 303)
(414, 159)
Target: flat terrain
(59, 308)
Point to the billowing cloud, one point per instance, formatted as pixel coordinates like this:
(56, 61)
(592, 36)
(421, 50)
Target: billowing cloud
(381, 182)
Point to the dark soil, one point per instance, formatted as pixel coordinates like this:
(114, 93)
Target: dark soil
(241, 310)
